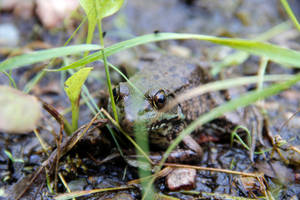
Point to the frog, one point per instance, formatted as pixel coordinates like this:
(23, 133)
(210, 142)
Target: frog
(158, 83)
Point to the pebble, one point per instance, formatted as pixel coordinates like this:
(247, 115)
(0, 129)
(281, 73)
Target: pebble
(9, 35)
(181, 178)
(52, 13)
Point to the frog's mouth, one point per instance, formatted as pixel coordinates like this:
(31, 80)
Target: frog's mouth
(134, 110)
(156, 122)
(163, 131)
(165, 123)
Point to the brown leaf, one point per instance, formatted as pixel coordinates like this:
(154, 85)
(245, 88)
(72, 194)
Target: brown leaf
(19, 112)
(53, 12)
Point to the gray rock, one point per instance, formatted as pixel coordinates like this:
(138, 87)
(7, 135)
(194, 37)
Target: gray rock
(9, 35)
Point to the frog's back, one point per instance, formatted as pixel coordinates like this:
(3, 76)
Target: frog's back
(169, 72)
(176, 75)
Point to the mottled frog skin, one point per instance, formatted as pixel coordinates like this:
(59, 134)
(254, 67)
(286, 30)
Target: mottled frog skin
(158, 83)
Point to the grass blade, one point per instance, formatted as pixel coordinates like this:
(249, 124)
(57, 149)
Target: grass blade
(42, 55)
(290, 13)
(273, 52)
(242, 101)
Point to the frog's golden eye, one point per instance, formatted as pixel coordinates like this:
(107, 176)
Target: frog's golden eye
(159, 99)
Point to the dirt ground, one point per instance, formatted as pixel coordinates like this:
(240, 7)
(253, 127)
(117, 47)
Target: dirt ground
(94, 162)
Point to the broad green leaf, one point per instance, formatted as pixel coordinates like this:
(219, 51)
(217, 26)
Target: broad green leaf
(73, 88)
(74, 83)
(19, 112)
(95, 11)
(89, 8)
(42, 55)
(105, 8)
(271, 51)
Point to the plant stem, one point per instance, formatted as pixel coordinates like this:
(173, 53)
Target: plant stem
(75, 115)
(11, 80)
(290, 13)
(107, 71)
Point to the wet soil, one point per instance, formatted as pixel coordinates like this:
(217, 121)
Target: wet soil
(84, 167)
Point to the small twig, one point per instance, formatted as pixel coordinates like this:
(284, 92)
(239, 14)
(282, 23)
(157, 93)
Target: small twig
(58, 117)
(42, 142)
(288, 120)
(58, 155)
(65, 147)
(295, 149)
(87, 192)
(215, 170)
(65, 183)
(161, 173)
(126, 135)
(30, 183)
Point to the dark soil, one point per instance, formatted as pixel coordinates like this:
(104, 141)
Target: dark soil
(84, 167)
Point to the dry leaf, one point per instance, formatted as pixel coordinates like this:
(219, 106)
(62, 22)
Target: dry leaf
(19, 112)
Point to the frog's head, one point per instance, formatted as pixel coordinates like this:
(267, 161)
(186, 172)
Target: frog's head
(133, 107)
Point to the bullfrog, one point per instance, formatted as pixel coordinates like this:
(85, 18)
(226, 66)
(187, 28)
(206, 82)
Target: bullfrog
(159, 82)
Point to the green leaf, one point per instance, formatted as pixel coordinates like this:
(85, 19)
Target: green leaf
(42, 55)
(290, 13)
(105, 8)
(19, 112)
(73, 87)
(89, 8)
(271, 51)
(11, 157)
(95, 11)
(74, 83)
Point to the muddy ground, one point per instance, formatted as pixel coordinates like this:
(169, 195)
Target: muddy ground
(84, 167)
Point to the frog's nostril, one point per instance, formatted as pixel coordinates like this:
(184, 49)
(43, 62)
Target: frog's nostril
(143, 111)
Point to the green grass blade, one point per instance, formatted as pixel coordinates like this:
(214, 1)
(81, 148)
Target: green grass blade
(89, 8)
(273, 52)
(72, 88)
(108, 81)
(30, 84)
(11, 80)
(126, 79)
(42, 55)
(290, 13)
(242, 101)
(92, 105)
(240, 56)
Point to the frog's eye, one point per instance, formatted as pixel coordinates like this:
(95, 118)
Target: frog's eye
(159, 99)
(116, 93)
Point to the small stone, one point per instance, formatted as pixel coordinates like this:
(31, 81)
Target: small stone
(9, 35)
(180, 51)
(292, 119)
(24, 9)
(7, 4)
(122, 196)
(181, 178)
(53, 12)
(77, 184)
